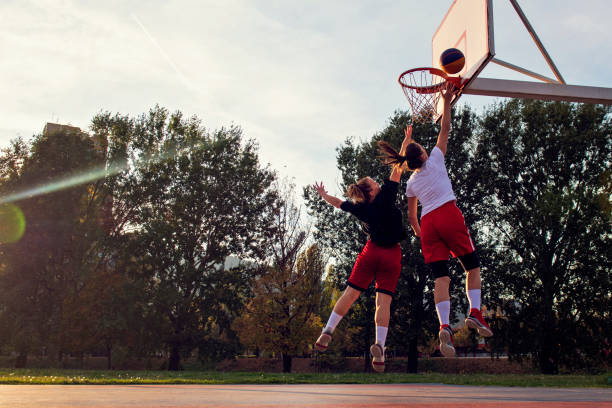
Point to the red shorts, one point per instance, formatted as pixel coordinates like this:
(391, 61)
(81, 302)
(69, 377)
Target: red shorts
(443, 232)
(379, 263)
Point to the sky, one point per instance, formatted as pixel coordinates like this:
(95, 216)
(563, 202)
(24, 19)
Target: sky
(299, 77)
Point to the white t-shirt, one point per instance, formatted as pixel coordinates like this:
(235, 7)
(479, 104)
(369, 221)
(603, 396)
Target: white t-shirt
(431, 184)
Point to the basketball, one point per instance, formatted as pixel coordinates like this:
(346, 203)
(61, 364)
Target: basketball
(452, 61)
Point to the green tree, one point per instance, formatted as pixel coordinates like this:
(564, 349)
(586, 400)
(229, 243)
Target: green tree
(47, 268)
(283, 314)
(542, 171)
(191, 198)
(11, 162)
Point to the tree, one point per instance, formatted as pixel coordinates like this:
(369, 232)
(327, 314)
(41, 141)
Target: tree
(110, 312)
(49, 265)
(542, 169)
(282, 315)
(190, 198)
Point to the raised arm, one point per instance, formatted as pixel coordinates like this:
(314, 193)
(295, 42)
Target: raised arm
(396, 171)
(445, 123)
(323, 193)
(412, 216)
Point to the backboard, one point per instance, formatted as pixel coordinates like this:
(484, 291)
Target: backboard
(467, 26)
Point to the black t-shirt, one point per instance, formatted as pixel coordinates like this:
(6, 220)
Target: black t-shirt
(380, 219)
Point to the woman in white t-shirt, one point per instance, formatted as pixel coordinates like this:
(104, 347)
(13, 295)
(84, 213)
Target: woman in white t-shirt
(442, 228)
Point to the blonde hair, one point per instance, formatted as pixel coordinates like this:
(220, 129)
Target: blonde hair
(359, 192)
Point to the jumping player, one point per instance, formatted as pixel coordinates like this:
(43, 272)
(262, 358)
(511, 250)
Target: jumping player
(380, 259)
(442, 229)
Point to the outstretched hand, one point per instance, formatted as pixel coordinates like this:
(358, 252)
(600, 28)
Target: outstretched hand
(447, 94)
(407, 138)
(336, 202)
(320, 189)
(408, 133)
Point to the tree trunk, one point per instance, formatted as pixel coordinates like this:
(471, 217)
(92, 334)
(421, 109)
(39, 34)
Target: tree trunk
(286, 363)
(367, 366)
(548, 353)
(548, 347)
(60, 358)
(22, 360)
(412, 365)
(174, 364)
(109, 355)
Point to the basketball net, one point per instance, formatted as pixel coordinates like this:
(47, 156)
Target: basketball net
(423, 88)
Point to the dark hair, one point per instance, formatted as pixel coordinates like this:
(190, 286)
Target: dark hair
(359, 192)
(410, 161)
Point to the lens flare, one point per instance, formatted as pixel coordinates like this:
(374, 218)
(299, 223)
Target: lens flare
(88, 177)
(12, 223)
(92, 175)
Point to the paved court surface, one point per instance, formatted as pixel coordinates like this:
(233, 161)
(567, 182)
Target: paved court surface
(299, 396)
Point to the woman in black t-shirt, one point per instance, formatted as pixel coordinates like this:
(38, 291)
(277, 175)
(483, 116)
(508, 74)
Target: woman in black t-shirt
(381, 257)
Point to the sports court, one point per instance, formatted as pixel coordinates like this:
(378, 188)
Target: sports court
(303, 395)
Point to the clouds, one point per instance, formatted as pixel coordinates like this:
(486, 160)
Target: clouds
(299, 77)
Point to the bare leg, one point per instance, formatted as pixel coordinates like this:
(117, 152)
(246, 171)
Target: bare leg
(383, 307)
(442, 301)
(441, 286)
(475, 320)
(381, 318)
(341, 308)
(472, 280)
(347, 299)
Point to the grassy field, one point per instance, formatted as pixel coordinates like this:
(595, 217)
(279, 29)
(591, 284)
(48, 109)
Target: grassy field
(44, 376)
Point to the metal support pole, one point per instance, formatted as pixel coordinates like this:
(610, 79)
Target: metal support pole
(535, 38)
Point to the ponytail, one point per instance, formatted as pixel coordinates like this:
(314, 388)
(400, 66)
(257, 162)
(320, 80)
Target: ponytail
(410, 161)
(389, 156)
(359, 192)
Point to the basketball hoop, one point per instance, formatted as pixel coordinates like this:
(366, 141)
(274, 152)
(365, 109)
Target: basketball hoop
(423, 87)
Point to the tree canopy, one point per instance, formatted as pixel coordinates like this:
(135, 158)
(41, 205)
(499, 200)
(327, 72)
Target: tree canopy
(542, 170)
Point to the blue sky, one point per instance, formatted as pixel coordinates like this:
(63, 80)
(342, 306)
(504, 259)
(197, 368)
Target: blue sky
(299, 77)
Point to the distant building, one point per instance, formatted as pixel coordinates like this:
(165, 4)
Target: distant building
(52, 128)
(100, 142)
(105, 219)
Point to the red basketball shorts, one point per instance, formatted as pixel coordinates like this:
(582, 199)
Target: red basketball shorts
(443, 232)
(377, 263)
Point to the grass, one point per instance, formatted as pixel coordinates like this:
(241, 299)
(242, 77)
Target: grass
(56, 376)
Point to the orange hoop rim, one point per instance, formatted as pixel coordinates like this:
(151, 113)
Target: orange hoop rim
(455, 81)
(424, 87)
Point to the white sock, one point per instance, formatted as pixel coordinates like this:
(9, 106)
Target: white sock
(443, 309)
(381, 335)
(333, 321)
(474, 298)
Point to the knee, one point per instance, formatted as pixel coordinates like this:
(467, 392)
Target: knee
(475, 272)
(470, 262)
(383, 301)
(351, 294)
(443, 281)
(439, 269)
